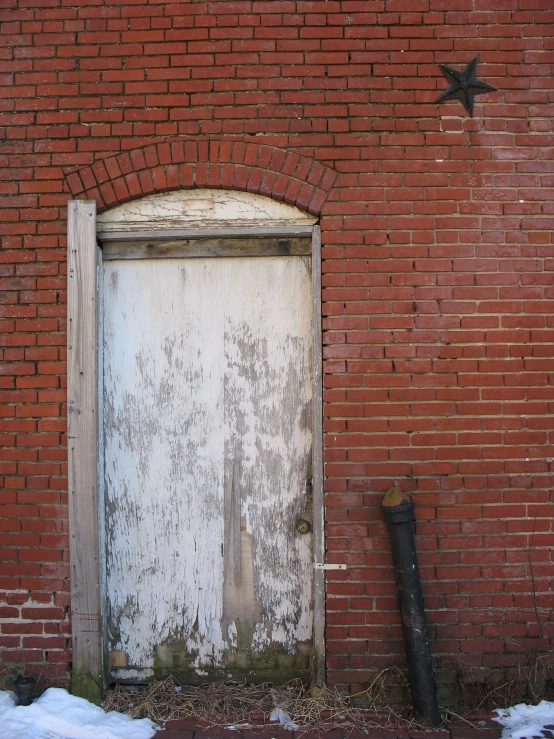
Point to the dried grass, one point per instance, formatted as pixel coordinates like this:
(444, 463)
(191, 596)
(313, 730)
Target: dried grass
(483, 689)
(226, 703)
(7, 676)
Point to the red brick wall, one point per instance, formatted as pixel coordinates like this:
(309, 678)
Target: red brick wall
(438, 284)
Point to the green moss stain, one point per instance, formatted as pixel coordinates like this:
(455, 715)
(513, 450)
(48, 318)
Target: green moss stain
(85, 685)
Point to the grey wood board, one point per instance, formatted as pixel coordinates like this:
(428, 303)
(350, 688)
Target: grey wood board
(82, 438)
(318, 671)
(250, 231)
(162, 248)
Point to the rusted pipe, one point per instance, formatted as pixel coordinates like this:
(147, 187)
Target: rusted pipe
(398, 511)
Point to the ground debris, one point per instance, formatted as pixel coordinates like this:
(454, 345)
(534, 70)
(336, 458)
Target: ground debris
(242, 705)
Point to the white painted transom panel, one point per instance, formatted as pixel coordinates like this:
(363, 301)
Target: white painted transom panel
(201, 208)
(207, 450)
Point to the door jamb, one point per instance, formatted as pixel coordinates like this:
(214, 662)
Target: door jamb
(88, 663)
(89, 666)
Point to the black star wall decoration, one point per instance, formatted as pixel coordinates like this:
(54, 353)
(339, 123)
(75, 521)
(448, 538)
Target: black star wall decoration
(464, 86)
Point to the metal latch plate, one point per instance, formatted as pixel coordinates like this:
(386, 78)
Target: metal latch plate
(321, 566)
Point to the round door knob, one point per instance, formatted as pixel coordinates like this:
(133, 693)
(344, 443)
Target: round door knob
(303, 526)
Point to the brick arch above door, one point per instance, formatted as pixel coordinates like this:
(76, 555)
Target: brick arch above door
(230, 165)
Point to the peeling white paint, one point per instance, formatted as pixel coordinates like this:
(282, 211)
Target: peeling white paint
(260, 638)
(134, 675)
(198, 208)
(207, 425)
(232, 635)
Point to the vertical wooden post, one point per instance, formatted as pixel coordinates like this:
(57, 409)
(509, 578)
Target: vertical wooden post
(82, 330)
(318, 667)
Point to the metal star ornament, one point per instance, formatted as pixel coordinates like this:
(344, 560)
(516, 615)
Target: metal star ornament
(464, 85)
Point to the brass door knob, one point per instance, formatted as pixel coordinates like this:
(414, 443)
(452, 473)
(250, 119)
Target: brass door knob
(303, 526)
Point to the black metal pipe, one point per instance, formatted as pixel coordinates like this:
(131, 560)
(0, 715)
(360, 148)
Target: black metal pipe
(399, 519)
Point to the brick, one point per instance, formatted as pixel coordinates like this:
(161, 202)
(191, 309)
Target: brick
(437, 280)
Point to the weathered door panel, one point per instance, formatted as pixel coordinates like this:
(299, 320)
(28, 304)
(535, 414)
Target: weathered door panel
(208, 439)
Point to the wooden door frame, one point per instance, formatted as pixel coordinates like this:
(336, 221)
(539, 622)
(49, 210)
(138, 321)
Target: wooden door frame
(86, 502)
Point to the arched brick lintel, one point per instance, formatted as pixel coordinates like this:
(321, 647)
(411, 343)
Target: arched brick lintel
(230, 165)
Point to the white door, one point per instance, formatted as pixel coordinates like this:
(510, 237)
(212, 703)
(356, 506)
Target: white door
(207, 458)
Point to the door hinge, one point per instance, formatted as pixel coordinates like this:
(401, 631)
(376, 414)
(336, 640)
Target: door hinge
(321, 566)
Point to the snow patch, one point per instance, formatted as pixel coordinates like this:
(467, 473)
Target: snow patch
(59, 715)
(525, 722)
